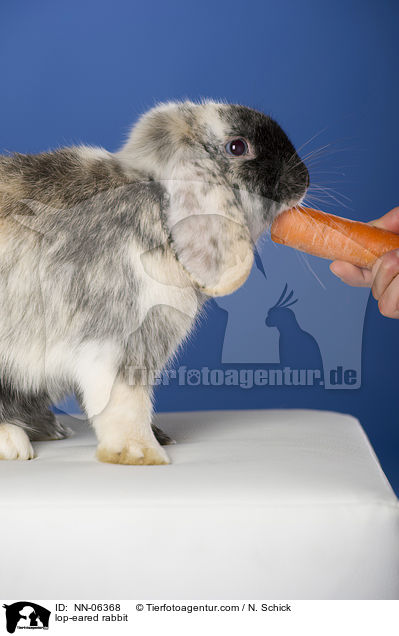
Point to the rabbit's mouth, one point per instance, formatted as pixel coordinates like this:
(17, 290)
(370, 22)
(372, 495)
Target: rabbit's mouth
(292, 203)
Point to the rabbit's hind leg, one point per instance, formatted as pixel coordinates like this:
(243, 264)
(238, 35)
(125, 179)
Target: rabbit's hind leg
(25, 418)
(163, 438)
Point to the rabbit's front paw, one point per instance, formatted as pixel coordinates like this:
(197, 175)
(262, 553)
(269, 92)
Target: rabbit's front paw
(134, 453)
(14, 443)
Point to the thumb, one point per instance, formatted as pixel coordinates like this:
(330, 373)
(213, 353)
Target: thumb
(389, 221)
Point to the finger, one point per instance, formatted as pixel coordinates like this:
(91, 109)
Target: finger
(389, 221)
(388, 303)
(383, 272)
(351, 275)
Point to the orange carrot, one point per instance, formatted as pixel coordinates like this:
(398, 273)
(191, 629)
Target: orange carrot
(332, 237)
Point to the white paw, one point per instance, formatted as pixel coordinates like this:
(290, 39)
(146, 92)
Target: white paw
(134, 453)
(14, 443)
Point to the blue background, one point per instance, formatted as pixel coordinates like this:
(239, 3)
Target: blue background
(82, 71)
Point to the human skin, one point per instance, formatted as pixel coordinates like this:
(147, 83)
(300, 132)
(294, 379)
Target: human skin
(383, 278)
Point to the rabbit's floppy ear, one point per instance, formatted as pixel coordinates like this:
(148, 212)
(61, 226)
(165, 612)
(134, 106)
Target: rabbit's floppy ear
(208, 233)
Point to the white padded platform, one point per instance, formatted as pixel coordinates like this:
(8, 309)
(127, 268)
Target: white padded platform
(256, 504)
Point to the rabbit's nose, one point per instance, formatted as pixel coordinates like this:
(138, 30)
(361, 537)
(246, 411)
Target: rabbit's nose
(293, 181)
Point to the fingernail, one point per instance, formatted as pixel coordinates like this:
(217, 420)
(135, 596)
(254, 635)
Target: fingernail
(334, 271)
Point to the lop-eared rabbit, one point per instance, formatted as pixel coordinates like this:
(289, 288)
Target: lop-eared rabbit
(106, 260)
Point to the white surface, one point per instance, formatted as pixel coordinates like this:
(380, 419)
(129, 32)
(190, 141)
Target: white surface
(256, 504)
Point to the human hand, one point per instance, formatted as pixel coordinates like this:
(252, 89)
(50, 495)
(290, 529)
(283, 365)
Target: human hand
(383, 278)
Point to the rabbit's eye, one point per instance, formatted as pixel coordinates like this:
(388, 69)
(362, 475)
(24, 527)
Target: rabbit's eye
(237, 147)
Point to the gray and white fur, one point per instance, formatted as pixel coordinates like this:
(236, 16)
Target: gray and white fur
(106, 260)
